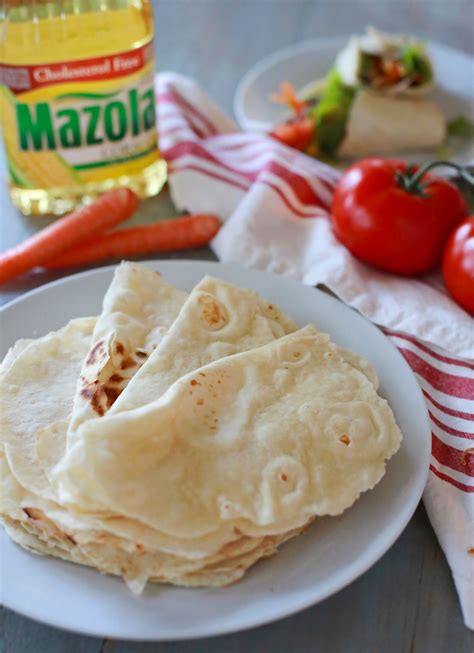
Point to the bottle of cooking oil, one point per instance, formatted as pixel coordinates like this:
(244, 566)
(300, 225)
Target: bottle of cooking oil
(77, 102)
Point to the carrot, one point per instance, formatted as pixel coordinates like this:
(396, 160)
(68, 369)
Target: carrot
(167, 236)
(287, 95)
(107, 211)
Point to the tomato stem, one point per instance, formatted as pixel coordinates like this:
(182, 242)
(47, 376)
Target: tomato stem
(411, 178)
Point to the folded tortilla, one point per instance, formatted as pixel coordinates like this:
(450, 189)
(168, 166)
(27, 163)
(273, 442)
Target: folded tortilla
(218, 319)
(272, 437)
(138, 308)
(38, 382)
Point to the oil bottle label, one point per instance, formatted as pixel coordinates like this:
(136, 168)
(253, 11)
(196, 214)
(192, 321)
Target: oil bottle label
(79, 121)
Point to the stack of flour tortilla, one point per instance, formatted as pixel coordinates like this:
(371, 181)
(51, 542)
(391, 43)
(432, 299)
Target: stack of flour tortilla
(180, 438)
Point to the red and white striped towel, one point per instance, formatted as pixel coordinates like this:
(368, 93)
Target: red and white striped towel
(275, 204)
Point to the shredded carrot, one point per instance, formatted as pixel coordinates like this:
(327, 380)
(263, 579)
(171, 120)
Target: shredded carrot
(287, 95)
(166, 236)
(393, 71)
(107, 211)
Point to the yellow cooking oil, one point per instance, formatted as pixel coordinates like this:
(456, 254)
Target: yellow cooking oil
(77, 101)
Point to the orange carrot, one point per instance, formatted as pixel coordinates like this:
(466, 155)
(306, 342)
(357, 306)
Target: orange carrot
(107, 211)
(287, 95)
(167, 236)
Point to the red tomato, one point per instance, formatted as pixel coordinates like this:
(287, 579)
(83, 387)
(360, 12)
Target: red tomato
(382, 223)
(297, 132)
(458, 264)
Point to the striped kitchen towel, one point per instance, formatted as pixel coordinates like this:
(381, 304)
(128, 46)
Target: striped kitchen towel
(275, 203)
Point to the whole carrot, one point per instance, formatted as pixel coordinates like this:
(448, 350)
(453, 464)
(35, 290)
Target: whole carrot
(167, 236)
(107, 211)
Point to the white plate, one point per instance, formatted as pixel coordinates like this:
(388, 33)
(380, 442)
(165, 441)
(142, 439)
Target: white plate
(310, 60)
(332, 553)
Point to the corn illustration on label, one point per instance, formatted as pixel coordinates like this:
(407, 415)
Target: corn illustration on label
(78, 122)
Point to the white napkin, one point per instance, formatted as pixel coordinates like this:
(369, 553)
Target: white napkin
(275, 203)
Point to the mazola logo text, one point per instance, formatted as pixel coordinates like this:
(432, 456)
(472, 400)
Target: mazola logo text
(43, 127)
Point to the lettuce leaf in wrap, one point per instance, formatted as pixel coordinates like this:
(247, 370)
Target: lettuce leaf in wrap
(331, 113)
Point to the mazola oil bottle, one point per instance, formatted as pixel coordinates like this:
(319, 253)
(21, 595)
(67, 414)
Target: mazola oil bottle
(77, 101)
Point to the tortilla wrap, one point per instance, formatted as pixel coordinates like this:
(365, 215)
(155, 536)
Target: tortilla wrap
(380, 124)
(374, 42)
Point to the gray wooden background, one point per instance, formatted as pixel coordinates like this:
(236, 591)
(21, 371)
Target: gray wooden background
(406, 603)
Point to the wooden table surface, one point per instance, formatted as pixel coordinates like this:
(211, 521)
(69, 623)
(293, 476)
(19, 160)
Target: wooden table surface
(406, 603)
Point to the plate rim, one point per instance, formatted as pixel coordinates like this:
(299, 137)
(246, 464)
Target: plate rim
(298, 603)
(297, 48)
